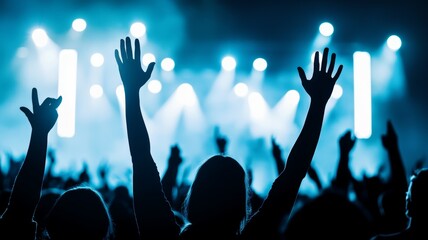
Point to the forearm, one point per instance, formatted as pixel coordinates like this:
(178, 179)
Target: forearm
(398, 173)
(169, 180)
(28, 183)
(343, 174)
(280, 165)
(284, 191)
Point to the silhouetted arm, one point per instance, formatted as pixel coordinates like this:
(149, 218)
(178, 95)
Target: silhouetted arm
(28, 183)
(284, 190)
(169, 180)
(398, 178)
(312, 173)
(221, 141)
(152, 210)
(343, 174)
(277, 155)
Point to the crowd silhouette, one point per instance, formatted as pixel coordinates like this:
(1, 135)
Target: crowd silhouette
(220, 203)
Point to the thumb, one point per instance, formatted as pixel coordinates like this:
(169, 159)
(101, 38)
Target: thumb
(150, 69)
(27, 112)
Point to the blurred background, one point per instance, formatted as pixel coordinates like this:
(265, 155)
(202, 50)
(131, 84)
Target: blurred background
(231, 64)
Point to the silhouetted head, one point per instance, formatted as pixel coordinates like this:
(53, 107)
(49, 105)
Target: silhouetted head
(218, 196)
(417, 195)
(79, 213)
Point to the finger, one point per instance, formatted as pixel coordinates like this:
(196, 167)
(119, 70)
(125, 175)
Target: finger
(57, 102)
(324, 60)
(122, 50)
(317, 62)
(116, 55)
(137, 51)
(27, 112)
(302, 74)
(150, 69)
(35, 99)
(339, 71)
(332, 62)
(128, 48)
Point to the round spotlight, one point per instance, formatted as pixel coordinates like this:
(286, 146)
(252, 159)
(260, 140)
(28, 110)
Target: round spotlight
(154, 86)
(228, 63)
(40, 37)
(337, 91)
(138, 29)
(326, 29)
(241, 89)
(394, 42)
(260, 64)
(96, 91)
(167, 64)
(293, 96)
(79, 25)
(187, 94)
(97, 59)
(148, 58)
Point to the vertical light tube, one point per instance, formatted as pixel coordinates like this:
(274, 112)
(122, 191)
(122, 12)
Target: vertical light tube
(67, 76)
(362, 95)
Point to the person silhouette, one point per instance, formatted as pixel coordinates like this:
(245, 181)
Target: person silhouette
(217, 201)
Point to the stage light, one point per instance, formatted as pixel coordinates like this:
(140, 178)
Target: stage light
(260, 64)
(293, 97)
(148, 58)
(167, 64)
(258, 106)
(154, 86)
(362, 95)
(40, 37)
(394, 42)
(337, 92)
(228, 63)
(241, 89)
(79, 25)
(97, 59)
(96, 91)
(138, 29)
(187, 95)
(67, 76)
(326, 29)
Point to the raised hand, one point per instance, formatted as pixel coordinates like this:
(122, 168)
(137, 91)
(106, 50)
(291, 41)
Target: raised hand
(129, 63)
(175, 158)
(389, 140)
(347, 142)
(44, 116)
(276, 150)
(221, 141)
(322, 82)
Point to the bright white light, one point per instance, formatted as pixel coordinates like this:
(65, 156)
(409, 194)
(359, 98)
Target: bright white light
(337, 91)
(79, 25)
(241, 89)
(148, 58)
(40, 37)
(313, 57)
(167, 64)
(97, 59)
(96, 91)
(138, 29)
(228, 63)
(67, 76)
(362, 95)
(292, 97)
(154, 86)
(258, 106)
(187, 95)
(260, 64)
(326, 29)
(394, 42)
(120, 94)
